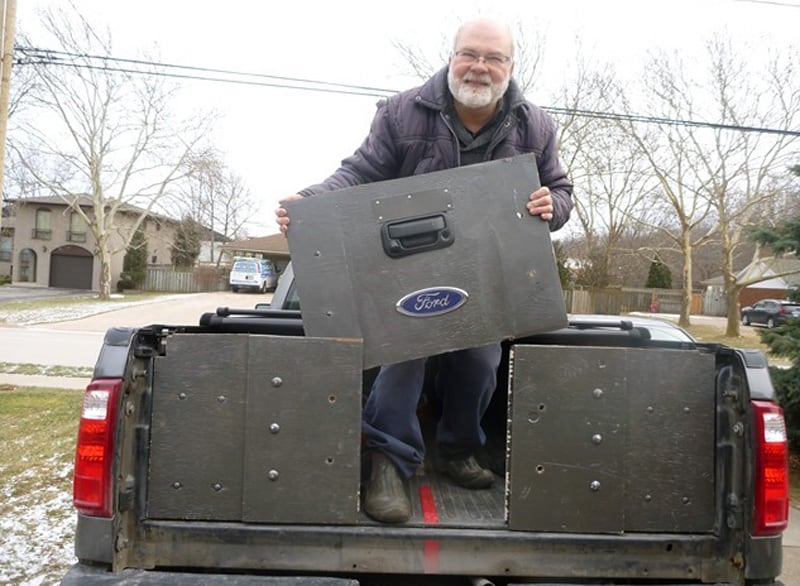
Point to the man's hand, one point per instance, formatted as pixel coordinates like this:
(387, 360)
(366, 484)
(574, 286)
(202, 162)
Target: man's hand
(541, 204)
(282, 216)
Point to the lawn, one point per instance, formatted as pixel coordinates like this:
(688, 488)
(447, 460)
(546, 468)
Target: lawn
(37, 521)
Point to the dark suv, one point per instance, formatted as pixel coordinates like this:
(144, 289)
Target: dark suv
(770, 312)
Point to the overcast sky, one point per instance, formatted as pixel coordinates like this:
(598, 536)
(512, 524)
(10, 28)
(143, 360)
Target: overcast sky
(281, 140)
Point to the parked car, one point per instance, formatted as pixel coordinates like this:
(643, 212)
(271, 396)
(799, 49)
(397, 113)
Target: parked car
(253, 273)
(770, 312)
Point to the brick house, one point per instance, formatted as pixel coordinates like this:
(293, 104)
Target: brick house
(779, 275)
(45, 243)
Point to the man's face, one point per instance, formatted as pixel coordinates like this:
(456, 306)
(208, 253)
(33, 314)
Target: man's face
(480, 66)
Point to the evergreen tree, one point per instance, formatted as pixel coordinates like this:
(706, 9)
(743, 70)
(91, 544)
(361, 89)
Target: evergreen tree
(561, 263)
(186, 247)
(134, 265)
(659, 276)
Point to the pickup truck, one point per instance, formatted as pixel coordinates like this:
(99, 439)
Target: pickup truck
(228, 453)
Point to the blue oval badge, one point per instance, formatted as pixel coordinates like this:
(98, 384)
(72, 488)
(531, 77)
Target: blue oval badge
(432, 301)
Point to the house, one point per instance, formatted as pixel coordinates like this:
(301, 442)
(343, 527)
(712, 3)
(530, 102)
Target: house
(780, 274)
(784, 273)
(212, 248)
(46, 243)
(274, 247)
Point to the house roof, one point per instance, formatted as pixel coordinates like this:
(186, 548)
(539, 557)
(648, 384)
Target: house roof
(85, 201)
(771, 266)
(767, 268)
(274, 244)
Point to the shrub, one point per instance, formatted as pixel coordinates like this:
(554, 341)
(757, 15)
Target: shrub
(125, 282)
(785, 341)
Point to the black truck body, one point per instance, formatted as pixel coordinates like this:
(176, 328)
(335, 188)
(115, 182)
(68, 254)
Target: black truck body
(627, 453)
(637, 462)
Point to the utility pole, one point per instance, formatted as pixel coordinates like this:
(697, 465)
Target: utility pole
(6, 58)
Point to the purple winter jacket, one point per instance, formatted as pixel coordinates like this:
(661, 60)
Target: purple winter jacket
(411, 134)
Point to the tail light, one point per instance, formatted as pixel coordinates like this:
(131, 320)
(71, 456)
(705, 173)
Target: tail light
(771, 502)
(92, 491)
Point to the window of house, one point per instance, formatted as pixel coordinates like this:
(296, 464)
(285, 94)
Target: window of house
(27, 266)
(42, 230)
(77, 228)
(153, 260)
(6, 244)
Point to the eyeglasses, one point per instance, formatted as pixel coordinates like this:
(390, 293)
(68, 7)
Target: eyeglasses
(492, 59)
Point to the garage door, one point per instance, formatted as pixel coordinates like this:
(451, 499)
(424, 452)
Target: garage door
(71, 268)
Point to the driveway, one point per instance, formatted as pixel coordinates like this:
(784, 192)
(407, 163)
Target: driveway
(171, 309)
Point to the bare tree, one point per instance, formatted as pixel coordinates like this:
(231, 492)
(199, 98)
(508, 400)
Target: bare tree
(743, 174)
(611, 184)
(102, 137)
(217, 198)
(664, 150)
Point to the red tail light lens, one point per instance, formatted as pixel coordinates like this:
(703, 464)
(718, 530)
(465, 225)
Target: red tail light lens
(92, 491)
(771, 502)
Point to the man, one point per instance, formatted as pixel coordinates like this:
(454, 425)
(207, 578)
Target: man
(469, 112)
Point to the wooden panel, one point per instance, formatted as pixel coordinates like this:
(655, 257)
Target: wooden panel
(612, 440)
(568, 429)
(672, 411)
(350, 287)
(197, 432)
(303, 430)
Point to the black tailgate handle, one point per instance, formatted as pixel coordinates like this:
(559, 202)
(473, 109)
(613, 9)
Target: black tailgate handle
(405, 237)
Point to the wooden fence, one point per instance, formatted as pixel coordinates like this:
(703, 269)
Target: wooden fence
(200, 279)
(616, 301)
(611, 301)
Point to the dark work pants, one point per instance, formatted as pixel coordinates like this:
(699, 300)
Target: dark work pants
(465, 383)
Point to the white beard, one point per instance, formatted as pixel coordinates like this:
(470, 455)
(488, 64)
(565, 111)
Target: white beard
(476, 97)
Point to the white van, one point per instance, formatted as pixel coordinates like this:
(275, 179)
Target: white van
(253, 273)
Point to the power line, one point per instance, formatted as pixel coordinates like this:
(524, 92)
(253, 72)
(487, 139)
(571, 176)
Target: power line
(36, 56)
(772, 2)
(51, 57)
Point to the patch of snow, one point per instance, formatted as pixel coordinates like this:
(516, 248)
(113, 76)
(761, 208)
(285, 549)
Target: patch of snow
(38, 528)
(68, 312)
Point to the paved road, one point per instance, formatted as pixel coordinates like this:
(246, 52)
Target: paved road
(77, 342)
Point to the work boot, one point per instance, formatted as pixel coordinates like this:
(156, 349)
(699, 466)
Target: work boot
(465, 471)
(385, 496)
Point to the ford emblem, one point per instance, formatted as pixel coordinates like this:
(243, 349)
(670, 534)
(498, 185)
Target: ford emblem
(432, 301)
